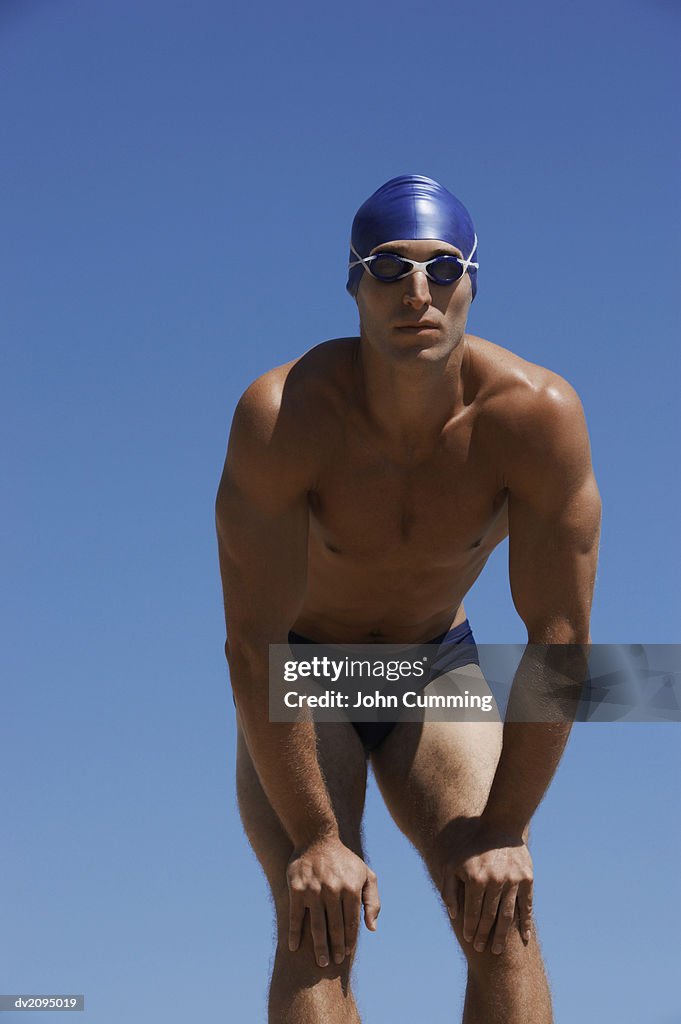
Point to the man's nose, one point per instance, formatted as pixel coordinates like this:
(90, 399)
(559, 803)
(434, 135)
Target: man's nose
(417, 289)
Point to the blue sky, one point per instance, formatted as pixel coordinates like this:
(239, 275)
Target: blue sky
(158, 161)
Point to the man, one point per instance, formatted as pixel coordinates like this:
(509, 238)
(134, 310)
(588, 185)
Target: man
(365, 485)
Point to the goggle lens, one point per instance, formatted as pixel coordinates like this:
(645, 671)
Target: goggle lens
(387, 267)
(445, 269)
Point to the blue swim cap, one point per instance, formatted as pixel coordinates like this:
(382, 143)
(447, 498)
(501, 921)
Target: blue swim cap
(411, 206)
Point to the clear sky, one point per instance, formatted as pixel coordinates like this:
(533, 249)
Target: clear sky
(177, 187)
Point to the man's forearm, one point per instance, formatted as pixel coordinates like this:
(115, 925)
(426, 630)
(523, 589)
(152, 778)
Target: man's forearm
(284, 755)
(541, 710)
(530, 755)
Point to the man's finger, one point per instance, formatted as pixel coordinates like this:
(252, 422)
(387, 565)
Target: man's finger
(471, 909)
(351, 915)
(505, 917)
(450, 895)
(319, 936)
(334, 918)
(525, 909)
(371, 901)
(296, 916)
(488, 916)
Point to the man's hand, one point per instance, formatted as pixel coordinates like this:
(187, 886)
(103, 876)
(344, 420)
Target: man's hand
(482, 884)
(331, 882)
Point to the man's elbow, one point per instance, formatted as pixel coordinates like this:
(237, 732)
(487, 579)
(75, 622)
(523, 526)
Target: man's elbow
(560, 629)
(249, 649)
(245, 650)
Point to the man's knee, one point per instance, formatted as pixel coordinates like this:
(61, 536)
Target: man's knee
(516, 956)
(302, 970)
(301, 965)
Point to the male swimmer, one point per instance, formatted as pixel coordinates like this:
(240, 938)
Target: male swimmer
(366, 484)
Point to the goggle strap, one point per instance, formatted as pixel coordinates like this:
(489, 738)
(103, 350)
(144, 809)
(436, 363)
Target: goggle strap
(469, 262)
(358, 260)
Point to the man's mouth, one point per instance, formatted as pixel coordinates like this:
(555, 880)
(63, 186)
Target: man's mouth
(422, 325)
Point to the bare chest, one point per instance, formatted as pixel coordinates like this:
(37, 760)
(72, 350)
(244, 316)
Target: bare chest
(370, 507)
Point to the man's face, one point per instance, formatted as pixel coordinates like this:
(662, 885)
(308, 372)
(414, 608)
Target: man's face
(414, 316)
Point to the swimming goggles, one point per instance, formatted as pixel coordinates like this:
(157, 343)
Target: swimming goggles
(388, 266)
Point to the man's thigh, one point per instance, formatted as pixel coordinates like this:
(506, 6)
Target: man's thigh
(343, 763)
(435, 777)
(435, 774)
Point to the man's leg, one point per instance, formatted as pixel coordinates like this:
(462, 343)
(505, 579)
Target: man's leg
(437, 775)
(301, 992)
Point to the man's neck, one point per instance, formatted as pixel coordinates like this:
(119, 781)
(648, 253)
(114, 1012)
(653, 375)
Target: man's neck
(411, 401)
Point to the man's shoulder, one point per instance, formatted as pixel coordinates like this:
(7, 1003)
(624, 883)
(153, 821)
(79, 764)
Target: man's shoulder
(520, 396)
(294, 400)
(536, 422)
(320, 367)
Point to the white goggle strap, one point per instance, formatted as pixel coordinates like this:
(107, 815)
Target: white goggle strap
(357, 261)
(469, 262)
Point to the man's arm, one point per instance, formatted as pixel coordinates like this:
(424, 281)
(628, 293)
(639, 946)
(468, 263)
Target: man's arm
(554, 527)
(554, 511)
(262, 525)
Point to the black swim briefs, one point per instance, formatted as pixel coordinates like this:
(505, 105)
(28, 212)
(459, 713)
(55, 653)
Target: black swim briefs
(457, 648)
